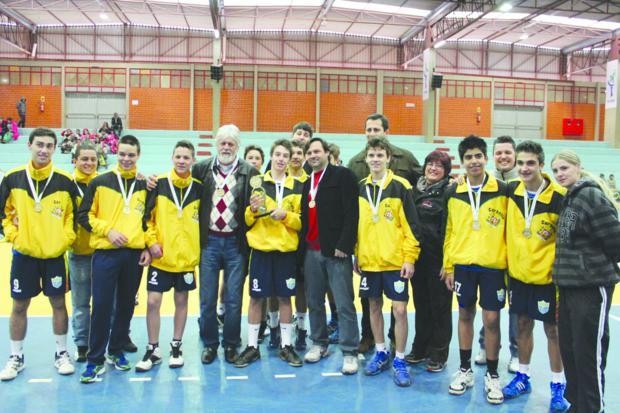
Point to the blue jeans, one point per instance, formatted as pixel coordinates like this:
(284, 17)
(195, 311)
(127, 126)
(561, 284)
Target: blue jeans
(80, 271)
(337, 273)
(221, 253)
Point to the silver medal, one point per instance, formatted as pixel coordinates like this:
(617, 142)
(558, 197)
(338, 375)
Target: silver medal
(38, 207)
(527, 233)
(126, 209)
(476, 226)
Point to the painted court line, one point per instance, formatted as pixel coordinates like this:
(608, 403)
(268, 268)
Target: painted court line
(139, 379)
(614, 317)
(284, 376)
(331, 374)
(236, 377)
(189, 378)
(40, 381)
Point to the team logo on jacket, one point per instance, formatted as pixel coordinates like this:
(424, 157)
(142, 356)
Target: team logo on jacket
(188, 277)
(399, 286)
(501, 295)
(388, 214)
(57, 212)
(57, 281)
(290, 283)
(543, 306)
(546, 231)
(495, 217)
(140, 207)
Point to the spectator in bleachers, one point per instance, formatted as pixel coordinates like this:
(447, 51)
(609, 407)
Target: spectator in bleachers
(611, 181)
(105, 129)
(602, 176)
(117, 124)
(13, 128)
(5, 135)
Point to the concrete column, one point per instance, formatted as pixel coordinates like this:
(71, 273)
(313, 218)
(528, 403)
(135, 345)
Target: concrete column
(255, 101)
(191, 97)
(429, 97)
(379, 91)
(612, 112)
(216, 85)
(317, 113)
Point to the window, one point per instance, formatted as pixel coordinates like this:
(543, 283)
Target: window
(159, 78)
(30, 75)
(95, 79)
(290, 82)
(348, 84)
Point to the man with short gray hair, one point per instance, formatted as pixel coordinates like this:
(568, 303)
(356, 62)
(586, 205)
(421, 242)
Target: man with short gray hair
(226, 180)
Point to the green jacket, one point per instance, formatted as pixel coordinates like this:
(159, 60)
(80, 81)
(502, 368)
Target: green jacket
(403, 164)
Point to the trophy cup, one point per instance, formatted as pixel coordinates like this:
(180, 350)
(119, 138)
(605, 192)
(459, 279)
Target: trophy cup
(257, 189)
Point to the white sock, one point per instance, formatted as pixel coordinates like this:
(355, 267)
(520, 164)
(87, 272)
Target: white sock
(524, 369)
(380, 347)
(253, 335)
(285, 333)
(273, 319)
(301, 320)
(400, 355)
(558, 377)
(61, 343)
(221, 309)
(17, 348)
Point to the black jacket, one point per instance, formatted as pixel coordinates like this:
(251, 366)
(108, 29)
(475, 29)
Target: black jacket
(588, 239)
(242, 190)
(430, 205)
(337, 211)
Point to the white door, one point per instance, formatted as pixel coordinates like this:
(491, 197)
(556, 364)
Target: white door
(520, 122)
(90, 110)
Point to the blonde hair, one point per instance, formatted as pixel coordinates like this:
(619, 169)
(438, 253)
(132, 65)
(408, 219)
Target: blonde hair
(572, 158)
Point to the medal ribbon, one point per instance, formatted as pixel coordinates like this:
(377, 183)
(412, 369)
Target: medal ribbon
(528, 211)
(126, 196)
(374, 206)
(314, 189)
(37, 197)
(174, 194)
(474, 200)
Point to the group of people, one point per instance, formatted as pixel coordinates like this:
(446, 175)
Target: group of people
(9, 131)
(548, 247)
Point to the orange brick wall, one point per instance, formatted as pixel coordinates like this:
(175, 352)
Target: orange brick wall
(237, 107)
(203, 109)
(403, 120)
(557, 111)
(346, 112)
(279, 111)
(159, 108)
(51, 117)
(457, 117)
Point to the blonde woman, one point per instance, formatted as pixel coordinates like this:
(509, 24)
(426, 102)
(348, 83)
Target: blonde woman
(586, 271)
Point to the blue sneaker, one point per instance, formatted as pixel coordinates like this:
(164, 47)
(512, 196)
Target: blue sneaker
(378, 363)
(334, 337)
(402, 378)
(119, 361)
(92, 372)
(558, 402)
(332, 325)
(518, 386)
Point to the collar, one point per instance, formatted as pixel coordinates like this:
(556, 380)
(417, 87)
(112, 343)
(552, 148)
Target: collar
(178, 181)
(41, 173)
(82, 178)
(488, 185)
(547, 194)
(126, 174)
(289, 181)
(388, 178)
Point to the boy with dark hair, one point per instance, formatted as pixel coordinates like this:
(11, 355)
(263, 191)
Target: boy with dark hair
(475, 259)
(387, 217)
(113, 211)
(173, 238)
(36, 209)
(534, 203)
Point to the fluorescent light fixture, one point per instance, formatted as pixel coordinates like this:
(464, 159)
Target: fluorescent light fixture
(268, 3)
(379, 8)
(439, 44)
(524, 36)
(570, 21)
(505, 7)
(103, 16)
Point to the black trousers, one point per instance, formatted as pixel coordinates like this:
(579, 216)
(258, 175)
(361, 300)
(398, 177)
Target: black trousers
(583, 327)
(433, 311)
(22, 121)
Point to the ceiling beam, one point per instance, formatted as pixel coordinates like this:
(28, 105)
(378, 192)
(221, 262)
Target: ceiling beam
(583, 44)
(17, 17)
(435, 15)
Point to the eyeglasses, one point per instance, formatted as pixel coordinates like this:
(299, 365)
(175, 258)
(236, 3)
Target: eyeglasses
(437, 165)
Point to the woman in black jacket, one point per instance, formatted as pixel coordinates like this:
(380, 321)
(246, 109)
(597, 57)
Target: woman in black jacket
(432, 300)
(585, 270)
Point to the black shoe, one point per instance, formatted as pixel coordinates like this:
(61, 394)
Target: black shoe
(208, 355)
(129, 346)
(80, 355)
(300, 341)
(247, 356)
(413, 358)
(230, 354)
(274, 337)
(366, 344)
(261, 331)
(288, 354)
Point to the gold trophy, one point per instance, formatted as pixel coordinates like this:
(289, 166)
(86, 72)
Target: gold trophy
(257, 189)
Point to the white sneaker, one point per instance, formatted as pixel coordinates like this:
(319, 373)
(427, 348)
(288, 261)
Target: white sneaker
(461, 381)
(513, 365)
(315, 354)
(481, 358)
(493, 389)
(151, 358)
(176, 356)
(64, 364)
(12, 368)
(349, 364)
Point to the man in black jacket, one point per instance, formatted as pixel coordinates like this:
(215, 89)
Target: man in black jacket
(226, 180)
(329, 216)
